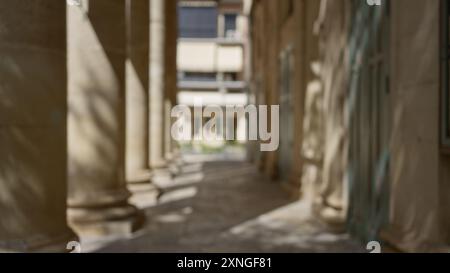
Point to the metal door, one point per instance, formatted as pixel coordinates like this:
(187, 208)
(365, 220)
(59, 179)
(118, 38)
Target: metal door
(369, 119)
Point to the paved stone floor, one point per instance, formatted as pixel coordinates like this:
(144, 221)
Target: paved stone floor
(221, 204)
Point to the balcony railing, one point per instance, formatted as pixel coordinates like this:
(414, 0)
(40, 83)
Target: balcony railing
(220, 41)
(211, 85)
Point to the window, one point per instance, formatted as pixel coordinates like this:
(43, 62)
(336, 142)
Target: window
(197, 21)
(198, 76)
(230, 25)
(445, 79)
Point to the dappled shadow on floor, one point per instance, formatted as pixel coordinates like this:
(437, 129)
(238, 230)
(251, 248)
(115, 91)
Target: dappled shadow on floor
(227, 206)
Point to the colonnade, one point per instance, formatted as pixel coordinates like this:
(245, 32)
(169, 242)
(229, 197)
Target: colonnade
(82, 113)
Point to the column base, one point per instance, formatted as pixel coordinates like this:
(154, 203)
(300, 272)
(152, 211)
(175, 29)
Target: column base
(161, 164)
(174, 169)
(334, 219)
(142, 187)
(140, 177)
(161, 173)
(40, 244)
(176, 164)
(179, 161)
(120, 221)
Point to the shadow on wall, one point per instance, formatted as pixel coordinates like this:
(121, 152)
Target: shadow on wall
(97, 95)
(414, 204)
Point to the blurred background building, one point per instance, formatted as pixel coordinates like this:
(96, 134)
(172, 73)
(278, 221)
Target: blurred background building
(211, 48)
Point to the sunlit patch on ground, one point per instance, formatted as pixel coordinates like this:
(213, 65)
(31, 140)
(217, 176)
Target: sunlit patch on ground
(223, 204)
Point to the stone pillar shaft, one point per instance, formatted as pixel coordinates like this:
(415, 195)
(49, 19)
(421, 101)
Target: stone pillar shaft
(33, 126)
(157, 82)
(137, 86)
(171, 74)
(98, 197)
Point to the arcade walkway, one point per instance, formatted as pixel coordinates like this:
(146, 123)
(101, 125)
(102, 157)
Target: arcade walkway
(221, 204)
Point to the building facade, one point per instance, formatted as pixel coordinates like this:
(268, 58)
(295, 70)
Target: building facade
(280, 74)
(211, 61)
(370, 104)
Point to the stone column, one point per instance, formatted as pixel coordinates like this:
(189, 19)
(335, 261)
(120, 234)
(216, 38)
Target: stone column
(98, 197)
(137, 84)
(157, 83)
(171, 151)
(301, 66)
(33, 126)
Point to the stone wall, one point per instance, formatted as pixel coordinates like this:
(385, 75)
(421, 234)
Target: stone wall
(418, 171)
(415, 210)
(287, 31)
